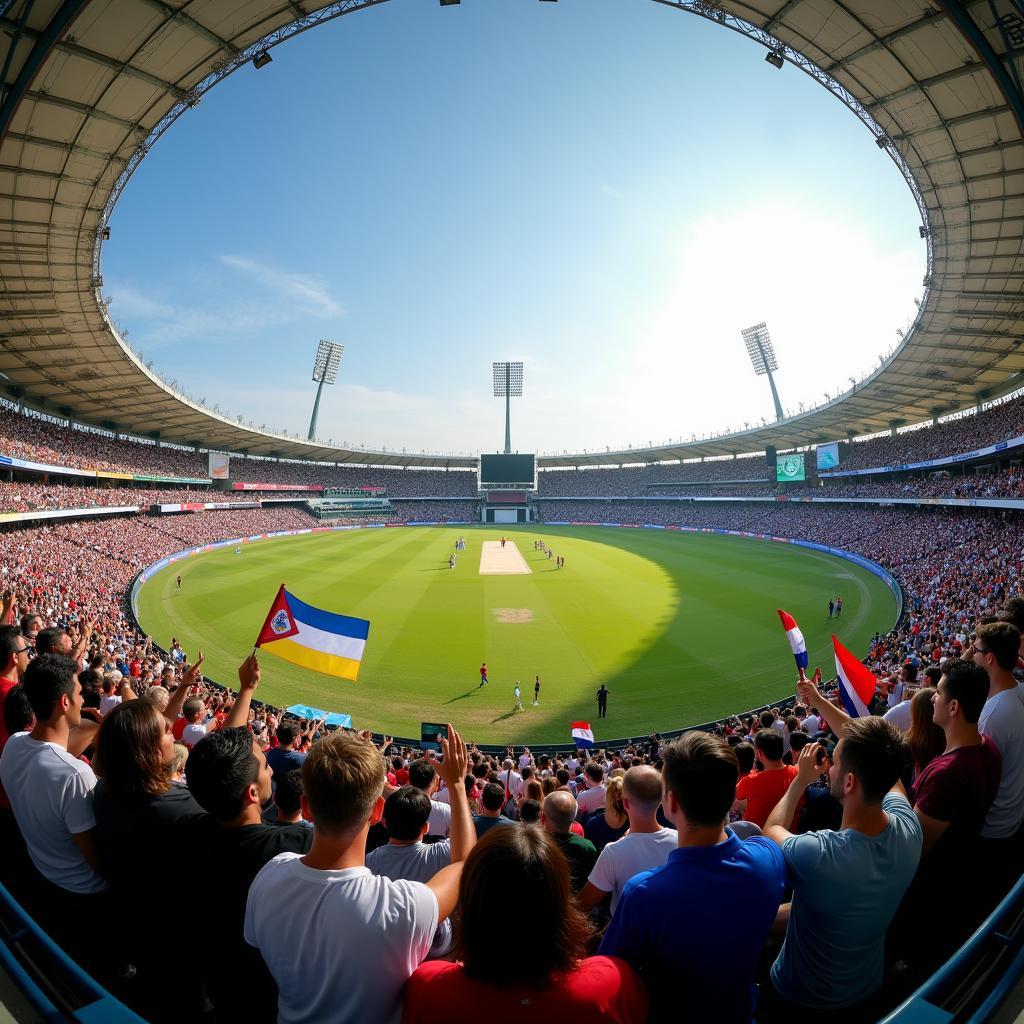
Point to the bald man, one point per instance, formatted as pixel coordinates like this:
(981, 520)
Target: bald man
(646, 845)
(556, 816)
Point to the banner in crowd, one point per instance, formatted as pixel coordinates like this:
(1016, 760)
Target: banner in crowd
(327, 717)
(276, 487)
(218, 465)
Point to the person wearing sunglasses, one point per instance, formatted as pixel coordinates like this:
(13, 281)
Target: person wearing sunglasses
(14, 653)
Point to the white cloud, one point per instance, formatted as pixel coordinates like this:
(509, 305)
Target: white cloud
(309, 294)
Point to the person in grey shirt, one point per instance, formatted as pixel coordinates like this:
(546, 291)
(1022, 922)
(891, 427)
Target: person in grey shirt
(847, 884)
(406, 813)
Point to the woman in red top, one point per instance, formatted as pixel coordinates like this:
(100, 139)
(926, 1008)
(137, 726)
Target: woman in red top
(516, 882)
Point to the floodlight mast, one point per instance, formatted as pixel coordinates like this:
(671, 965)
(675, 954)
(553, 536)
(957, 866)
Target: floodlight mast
(325, 371)
(762, 358)
(508, 384)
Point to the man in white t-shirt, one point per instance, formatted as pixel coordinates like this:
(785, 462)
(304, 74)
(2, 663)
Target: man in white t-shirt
(812, 722)
(510, 778)
(194, 712)
(525, 758)
(592, 799)
(423, 776)
(1002, 721)
(646, 846)
(51, 796)
(340, 941)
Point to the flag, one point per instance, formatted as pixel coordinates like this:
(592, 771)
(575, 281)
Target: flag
(795, 638)
(856, 682)
(582, 734)
(308, 636)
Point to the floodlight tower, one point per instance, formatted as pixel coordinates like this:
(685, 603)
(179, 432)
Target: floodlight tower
(508, 384)
(325, 371)
(762, 357)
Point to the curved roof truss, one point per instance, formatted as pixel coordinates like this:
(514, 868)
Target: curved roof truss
(89, 86)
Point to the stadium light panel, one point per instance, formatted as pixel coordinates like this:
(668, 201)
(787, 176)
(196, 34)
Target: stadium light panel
(328, 359)
(508, 376)
(760, 349)
(775, 59)
(261, 60)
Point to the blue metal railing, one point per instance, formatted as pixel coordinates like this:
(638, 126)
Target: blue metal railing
(56, 988)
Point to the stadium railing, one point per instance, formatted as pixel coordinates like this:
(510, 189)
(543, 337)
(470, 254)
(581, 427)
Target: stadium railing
(54, 986)
(978, 982)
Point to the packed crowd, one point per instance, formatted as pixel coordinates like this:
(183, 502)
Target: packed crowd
(825, 862)
(632, 481)
(409, 483)
(999, 423)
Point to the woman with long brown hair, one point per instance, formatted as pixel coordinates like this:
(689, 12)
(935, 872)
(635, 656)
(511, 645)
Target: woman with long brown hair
(924, 738)
(515, 882)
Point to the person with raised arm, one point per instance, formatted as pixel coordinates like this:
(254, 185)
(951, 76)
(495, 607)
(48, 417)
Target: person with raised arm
(340, 941)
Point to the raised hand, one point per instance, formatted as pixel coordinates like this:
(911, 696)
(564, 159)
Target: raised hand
(456, 758)
(248, 672)
(192, 674)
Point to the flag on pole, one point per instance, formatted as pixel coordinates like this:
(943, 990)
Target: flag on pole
(582, 734)
(308, 636)
(856, 682)
(795, 638)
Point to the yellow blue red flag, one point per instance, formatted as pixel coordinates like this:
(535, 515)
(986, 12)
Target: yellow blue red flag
(308, 636)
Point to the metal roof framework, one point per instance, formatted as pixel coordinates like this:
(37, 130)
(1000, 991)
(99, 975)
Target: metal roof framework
(89, 86)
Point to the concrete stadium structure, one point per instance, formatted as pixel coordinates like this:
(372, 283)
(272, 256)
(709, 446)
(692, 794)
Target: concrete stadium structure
(89, 86)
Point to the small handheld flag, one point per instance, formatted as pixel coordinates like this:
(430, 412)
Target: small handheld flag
(795, 638)
(308, 636)
(856, 682)
(582, 734)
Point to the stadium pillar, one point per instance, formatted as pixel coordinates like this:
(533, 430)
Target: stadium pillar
(316, 410)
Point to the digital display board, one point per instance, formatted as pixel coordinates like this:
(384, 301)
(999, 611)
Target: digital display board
(790, 468)
(430, 735)
(828, 455)
(507, 469)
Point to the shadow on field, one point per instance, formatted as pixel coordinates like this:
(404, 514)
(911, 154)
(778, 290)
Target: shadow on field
(501, 718)
(463, 696)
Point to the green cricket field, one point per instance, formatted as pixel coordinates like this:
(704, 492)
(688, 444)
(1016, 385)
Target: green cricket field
(682, 628)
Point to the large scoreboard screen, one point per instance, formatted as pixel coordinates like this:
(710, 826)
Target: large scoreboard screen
(507, 469)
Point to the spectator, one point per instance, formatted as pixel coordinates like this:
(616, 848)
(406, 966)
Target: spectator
(846, 884)
(995, 649)
(529, 812)
(647, 845)
(951, 797)
(14, 650)
(287, 807)
(757, 795)
(558, 814)
(604, 827)
(407, 816)
(341, 941)
(592, 799)
(424, 777)
(51, 795)
(925, 740)
(286, 756)
(227, 774)
(705, 972)
(515, 879)
(492, 800)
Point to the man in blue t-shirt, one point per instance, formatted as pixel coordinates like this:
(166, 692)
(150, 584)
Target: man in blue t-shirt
(676, 924)
(284, 757)
(848, 883)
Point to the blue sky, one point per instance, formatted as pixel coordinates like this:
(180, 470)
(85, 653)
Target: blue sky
(608, 190)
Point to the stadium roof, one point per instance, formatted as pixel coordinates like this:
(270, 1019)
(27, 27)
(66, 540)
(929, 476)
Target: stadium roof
(90, 85)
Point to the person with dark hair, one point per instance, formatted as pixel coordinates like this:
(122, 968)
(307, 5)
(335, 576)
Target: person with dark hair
(951, 798)
(925, 740)
(406, 815)
(706, 972)
(341, 941)
(286, 756)
(492, 800)
(1002, 721)
(529, 812)
(848, 883)
(287, 807)
(591, 799)
(423, 775)
(14, 652)
(756, 795)
(142, 820)
(227, 774)
(518, 878)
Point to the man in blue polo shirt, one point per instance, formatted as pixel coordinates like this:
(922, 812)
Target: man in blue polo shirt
(677, 924)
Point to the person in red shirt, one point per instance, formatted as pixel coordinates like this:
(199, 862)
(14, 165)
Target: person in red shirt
(756, 796)
(13, 662)
(516, 879)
